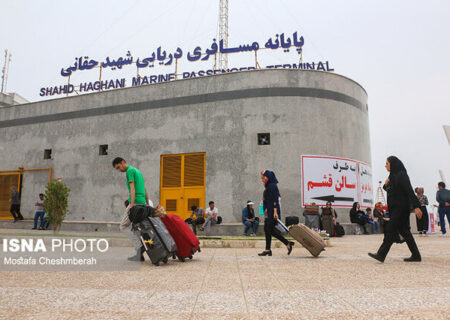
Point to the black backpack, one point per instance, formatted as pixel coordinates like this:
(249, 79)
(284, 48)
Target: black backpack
(340, 232)
(291, 220)
(140, 212)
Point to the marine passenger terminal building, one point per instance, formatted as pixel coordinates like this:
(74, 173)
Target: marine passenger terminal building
(194, 140)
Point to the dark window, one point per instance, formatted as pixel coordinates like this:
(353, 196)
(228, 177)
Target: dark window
(47, 153)
(263, 139)
(103, 150)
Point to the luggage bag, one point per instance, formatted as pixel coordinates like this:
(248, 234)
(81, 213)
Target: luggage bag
(340, 232)
(308, 238)
(291, 220)
(186, 241)
(157, 242)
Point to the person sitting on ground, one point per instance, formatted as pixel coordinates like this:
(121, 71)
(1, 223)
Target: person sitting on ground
(312, 216)
(249, 219)
(39, 213)
(381, 216)
(196, 219)
(329, 219)
(357, 216)
(210, 218)
(373, 223)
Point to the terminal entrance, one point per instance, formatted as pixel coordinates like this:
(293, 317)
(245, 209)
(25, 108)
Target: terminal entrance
(182, 183)
(6, 181)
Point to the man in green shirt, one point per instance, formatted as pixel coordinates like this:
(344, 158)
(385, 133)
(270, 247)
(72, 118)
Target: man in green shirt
(138, 195)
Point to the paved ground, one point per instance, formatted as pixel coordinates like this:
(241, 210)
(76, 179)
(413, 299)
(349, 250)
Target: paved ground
(344, 283)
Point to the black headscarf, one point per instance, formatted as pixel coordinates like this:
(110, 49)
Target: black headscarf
(397, 167)
(271, 176)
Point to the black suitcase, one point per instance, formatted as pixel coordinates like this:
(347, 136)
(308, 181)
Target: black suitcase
(291, 220)
(158, 243)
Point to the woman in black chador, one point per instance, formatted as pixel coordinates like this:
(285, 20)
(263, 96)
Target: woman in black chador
(271, 201)
(400, 199)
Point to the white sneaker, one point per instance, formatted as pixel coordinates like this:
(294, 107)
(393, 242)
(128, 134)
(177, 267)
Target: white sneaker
(252, 235)
(444, 235)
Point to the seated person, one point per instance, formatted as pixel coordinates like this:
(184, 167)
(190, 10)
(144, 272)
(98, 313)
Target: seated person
(372, 221)
(249, 219)
(381, 216)
(358, 216)
(197, 218)
(312, 216)
(210, 218)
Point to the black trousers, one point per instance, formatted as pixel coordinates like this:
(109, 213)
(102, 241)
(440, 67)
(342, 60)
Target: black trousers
(398, 224)
(15, 211)
(422, 224)
(270, 230)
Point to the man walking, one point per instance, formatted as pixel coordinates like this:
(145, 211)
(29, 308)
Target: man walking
(443, 198)
(39, 212)
(137, 195)
(15, 204)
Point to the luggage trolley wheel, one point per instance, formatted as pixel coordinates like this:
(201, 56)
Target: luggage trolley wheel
(156, 264)
(199, 249)
(190, 257)
(174, 256)
(182, 259)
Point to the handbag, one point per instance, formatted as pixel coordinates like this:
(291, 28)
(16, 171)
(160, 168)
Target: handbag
(281, 227)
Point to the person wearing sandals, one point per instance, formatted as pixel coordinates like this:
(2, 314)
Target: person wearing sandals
(271, 202)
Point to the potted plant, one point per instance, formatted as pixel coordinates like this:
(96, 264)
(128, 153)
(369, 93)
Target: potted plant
(55, 203)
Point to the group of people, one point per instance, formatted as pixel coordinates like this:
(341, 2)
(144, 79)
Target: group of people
(204, 219)
(326, 220)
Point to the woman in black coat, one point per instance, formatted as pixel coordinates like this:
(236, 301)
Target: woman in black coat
(358, 216)
(271, 202)
(400, 199)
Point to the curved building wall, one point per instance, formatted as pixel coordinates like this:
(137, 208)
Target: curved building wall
(305, 112)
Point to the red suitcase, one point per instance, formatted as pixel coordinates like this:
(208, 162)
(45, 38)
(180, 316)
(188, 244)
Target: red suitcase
(186, 241)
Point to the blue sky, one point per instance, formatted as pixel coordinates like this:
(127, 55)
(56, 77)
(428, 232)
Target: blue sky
(397, 50)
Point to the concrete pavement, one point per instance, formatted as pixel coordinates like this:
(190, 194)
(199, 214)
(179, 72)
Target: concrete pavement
(235, 283)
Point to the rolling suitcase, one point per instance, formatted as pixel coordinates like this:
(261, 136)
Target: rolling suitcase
(308, 238)
(157, 242)
(186, 241)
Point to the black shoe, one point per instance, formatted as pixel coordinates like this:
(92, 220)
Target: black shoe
(15, 220)
(34, 228)
(265, 253)
(375, 256)
(21, 218)
(291, 245)
(413, 259)
(365, 232)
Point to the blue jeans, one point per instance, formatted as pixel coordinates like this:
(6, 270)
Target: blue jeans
(249, 224)
(37, 215)
(374, 225)
(444, 211)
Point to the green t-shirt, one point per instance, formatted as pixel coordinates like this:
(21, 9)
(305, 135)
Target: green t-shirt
(135, 175)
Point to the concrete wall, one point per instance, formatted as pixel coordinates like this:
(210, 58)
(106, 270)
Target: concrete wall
(305, 112)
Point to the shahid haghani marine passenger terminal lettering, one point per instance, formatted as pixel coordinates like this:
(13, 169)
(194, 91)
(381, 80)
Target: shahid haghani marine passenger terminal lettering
(161, 57)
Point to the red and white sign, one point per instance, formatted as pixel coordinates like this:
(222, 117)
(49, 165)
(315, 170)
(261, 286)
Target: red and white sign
(338, 180)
